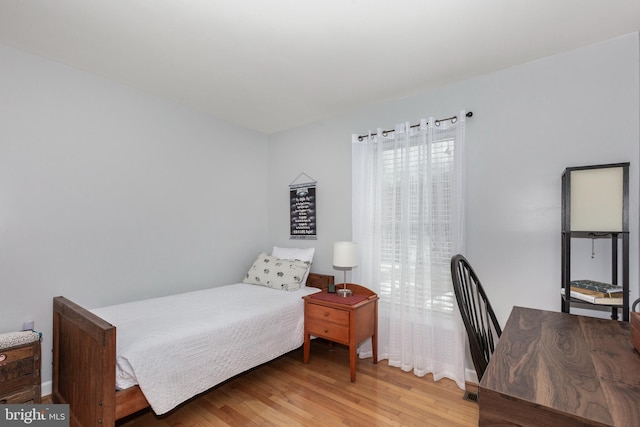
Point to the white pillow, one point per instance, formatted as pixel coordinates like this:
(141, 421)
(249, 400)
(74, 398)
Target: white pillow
(276, 273)
(302, 254)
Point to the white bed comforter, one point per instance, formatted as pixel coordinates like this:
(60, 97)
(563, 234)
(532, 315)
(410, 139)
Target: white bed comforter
(178, 346)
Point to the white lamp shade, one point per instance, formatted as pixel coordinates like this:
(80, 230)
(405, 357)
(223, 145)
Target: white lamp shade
(345, 254)
(597, 199)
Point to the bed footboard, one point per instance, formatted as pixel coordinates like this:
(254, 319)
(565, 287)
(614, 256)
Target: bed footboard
(84, 358)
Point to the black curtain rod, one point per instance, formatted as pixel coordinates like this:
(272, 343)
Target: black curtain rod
(386, 132)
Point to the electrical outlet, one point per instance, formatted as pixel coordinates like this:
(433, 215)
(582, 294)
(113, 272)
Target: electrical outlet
(28, 325)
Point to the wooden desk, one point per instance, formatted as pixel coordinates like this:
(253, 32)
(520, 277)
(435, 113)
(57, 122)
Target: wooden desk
(559, 369)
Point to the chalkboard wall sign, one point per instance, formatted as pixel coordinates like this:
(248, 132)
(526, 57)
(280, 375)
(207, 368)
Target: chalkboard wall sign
(302, 204)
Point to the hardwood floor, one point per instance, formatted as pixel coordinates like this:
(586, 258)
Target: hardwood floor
(285, 392)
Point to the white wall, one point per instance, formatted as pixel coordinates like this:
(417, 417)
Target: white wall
(530, 122)
(108, 194)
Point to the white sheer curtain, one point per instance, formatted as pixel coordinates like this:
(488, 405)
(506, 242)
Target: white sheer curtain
(408, 220)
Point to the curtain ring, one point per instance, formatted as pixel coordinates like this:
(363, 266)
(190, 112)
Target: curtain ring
(385, 133)
(454, 119)
(437, 123)
(360, 138)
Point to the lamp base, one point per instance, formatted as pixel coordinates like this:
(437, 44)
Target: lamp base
(344, 292)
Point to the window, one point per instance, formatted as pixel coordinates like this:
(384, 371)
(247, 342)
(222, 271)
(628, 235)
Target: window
(408, 222)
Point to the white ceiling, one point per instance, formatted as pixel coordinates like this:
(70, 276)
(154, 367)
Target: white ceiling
(270, 65)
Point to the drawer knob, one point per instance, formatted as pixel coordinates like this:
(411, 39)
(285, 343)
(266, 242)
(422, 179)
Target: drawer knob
(326, 330)
(3, 357)
(326, 313)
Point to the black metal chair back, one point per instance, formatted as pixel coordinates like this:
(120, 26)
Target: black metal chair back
(483, 329)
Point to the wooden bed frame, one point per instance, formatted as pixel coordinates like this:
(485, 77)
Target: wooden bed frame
(84, 364)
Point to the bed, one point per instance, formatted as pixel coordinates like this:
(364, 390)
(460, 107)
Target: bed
(87, 365)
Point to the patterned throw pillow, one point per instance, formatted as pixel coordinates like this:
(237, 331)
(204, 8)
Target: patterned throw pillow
(276, 273)
(300, 254)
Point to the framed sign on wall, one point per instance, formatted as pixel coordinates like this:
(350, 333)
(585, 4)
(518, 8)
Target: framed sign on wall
(302, 207)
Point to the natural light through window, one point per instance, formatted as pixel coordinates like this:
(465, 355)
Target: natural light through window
(407, 221)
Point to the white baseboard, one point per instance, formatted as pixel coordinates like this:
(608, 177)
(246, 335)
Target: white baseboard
(470, 376)
(46, 388)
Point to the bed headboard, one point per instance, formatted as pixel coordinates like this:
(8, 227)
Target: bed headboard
(321, 281)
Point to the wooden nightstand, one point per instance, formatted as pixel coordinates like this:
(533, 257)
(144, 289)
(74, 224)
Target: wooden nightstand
(347, 321)
(20, 374)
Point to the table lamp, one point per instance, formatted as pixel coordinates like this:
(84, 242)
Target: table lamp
(345, 257)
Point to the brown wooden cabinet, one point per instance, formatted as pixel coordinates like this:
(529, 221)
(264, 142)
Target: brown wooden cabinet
(20, 374)
(347, 321)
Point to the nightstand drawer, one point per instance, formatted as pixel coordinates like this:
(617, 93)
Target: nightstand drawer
(327, 314)
(331, 331)
(14, 370)
(8, 356)
(25, 394)
(16, 381)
